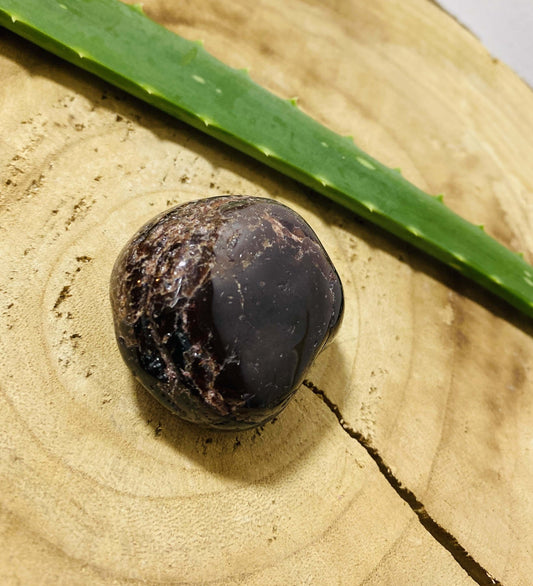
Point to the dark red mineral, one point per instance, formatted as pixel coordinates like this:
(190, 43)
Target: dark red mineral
(221, 305)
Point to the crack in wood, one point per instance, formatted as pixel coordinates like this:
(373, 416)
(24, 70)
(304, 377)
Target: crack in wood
(439, 533)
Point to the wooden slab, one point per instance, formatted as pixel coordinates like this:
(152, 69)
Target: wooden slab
(428, 480)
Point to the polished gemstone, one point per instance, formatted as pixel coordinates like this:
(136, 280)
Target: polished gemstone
(221, 305)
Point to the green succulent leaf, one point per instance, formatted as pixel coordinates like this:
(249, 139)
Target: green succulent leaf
(120, 44)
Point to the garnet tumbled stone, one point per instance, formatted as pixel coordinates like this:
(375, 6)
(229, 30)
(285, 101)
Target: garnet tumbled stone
(220, 306)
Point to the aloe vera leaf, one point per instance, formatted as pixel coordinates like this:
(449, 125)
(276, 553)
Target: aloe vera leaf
(120, 44)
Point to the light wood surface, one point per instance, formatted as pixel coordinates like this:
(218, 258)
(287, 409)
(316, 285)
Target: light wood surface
(429, 481)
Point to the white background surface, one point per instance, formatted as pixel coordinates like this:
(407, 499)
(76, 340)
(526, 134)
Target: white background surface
(505, 27)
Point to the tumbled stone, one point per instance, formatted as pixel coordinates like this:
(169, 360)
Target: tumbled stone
(221, 305)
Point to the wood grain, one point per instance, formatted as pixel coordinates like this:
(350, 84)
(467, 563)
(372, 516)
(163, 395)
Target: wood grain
(428, 480)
